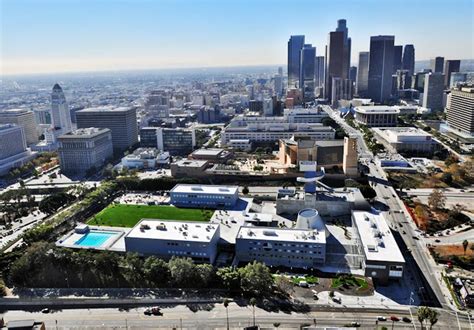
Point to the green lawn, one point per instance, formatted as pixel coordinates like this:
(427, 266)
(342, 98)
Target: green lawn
(360, 283)
(121, 215)
(310, 279)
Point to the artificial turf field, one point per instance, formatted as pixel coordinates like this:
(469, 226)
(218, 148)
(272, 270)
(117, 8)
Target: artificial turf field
(122, 215)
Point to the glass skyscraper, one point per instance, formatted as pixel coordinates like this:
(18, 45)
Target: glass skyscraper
(295, 45)
(380, 68)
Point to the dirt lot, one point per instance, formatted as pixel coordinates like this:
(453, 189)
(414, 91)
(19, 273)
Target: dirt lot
(453, 250)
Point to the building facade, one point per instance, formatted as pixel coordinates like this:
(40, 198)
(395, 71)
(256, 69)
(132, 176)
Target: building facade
(363, 74)
(409, 59)
(377, 116)
(437, 64)
(307, 71)
(380, 68)
(208, 196)
(23, 118)
(60, 114)
(295, 44)
(450, 66)
(433, 91)
(460, 109)
(176, 141)
(166, 239)
(297, 248)
(83, 149)
(121, 121)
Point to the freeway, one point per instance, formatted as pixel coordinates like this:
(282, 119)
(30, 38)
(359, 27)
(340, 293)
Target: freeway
(416, 254)
(214, 316)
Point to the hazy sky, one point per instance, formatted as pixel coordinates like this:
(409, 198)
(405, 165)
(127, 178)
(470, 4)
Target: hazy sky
(75, 35)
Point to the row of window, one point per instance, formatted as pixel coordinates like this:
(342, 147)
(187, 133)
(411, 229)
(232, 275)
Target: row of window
(185, 244)
(178, 195)
(287, 244)
(283, 250)
(200, 254)
(277, 256)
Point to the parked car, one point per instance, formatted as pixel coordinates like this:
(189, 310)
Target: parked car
(381, 318)
(406, 319)
(336, 300)
(45, 310)
(394, 319)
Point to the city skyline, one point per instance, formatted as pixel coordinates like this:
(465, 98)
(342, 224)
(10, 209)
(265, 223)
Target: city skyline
(52, 36)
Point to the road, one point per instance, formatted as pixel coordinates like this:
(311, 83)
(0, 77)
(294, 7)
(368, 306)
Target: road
(214, 316)
(399, 221)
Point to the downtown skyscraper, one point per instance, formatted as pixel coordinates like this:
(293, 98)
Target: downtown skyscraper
(60, 114)
(307, 70)
(380, 68)
(450, 66)
(295, 45)
(338, 53)
(408, 61)
(363, 74)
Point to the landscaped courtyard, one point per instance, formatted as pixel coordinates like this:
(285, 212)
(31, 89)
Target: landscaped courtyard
(121, 215)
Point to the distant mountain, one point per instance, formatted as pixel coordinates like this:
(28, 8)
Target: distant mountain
(466, 65)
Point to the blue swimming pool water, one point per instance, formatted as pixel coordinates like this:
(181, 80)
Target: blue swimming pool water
(94, 238)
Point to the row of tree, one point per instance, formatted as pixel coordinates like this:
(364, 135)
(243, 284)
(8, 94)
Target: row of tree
(45, 265)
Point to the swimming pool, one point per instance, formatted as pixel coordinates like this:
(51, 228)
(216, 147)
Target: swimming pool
(95, 238)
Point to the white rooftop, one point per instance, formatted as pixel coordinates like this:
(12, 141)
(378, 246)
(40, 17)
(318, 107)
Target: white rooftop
(376, 238)
(281, 234)
(376, 109)
(208, 152)
(204, 189)
(191, 163)
(192, 231)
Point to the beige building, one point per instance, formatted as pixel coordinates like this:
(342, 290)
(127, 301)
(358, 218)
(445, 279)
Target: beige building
(342, 153)
(24, 118)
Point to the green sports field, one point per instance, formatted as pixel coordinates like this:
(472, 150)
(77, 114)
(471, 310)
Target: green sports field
(121, 215)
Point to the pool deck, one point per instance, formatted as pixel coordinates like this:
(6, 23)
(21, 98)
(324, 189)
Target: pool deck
(115, 243)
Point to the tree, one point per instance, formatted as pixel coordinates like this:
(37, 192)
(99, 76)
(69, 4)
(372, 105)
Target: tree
(52, 203)
(205, 274)
(433, 317)
(284, 284)
(368, 192)
(253, 302)
(447, 178)
(276, 324)
(229, 277)
(245, 190)
(156, 271)
(465, 243)
(423, 313)
(183, 271)
(226, 304)
(437, 199)
(255, 278)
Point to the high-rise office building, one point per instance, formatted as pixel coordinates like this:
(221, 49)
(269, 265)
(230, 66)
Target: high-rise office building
(408, 61)
(268, 107)
(363, 74)
(60, 114)
(418, 81)
(460, 109)
(278, 83)
(121, 121)
(433, 91)
(280, 71)
(437, 64)
(403, 80)
(307, 69)
(380, 68)
(24, 118)
(353, 73)
(319, 71)
(450, 66)
(341, 90)
(397, 58)
(13, 151)
(457, 78)
(338, 53)
(84, 149)
(295, 44)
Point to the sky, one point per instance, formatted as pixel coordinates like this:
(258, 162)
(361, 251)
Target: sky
(41, 36)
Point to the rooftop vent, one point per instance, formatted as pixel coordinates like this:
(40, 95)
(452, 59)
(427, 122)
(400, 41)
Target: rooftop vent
(161, 226)
(269, 233)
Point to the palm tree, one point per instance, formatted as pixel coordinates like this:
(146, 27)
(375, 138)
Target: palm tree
(276, 324)
(465, 243)
(253, 302)
(433, 317)
(226, 304)
(423, 313)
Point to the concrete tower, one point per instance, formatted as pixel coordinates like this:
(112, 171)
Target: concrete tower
(60, 115)
(350, 158)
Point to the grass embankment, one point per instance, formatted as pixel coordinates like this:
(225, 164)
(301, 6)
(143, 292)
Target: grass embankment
(121, 215)
(349, 281)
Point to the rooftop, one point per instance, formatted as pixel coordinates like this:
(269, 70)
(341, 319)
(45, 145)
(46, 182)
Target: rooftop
(14, 111)
(174, 230)
(208, 152)
(377, 109)
(85, 132)
(204, 189)
(282, 235)
(376, 238)
(107, 109)
(191, 163)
